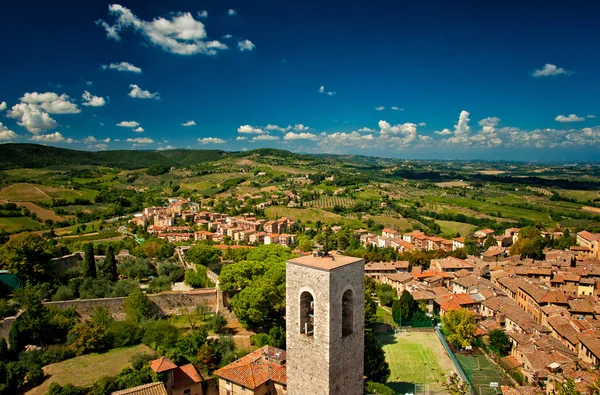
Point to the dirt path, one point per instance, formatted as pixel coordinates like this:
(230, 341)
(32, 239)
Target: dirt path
(41, 212)
(42, 192)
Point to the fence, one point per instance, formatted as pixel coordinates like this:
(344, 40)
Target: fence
(454, 360)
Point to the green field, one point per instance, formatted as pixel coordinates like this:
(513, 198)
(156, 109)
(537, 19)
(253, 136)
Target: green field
(415, 358)
(481, 373)
(396, 223)
(306, 214)
(14, 224)
(85, 370)
(451, 227)
(42, 193)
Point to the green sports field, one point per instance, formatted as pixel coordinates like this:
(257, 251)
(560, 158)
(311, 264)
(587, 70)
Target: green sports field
(482, 372)
(416, 358)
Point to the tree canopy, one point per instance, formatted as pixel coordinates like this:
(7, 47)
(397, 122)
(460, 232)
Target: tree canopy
(459, 326)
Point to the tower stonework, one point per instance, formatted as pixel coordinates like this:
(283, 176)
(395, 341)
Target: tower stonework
(325, 325)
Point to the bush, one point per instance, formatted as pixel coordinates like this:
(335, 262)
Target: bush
(172, 271)
(6, 309)
(140, 359)
(124, 333)
(63, 293)
(57, 353)
(35, 375)
(379, 389)
(160, 334)
(159, 284)
(216, 323)
(68, 389)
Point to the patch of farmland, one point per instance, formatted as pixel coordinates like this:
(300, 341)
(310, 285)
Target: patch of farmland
(305, 214)
(42, 213)
(595, 210)
(452, 184)
(393, 222)
(331, 201)
(15, 224)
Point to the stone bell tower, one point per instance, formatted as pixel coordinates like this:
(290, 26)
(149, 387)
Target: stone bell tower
(325, 325)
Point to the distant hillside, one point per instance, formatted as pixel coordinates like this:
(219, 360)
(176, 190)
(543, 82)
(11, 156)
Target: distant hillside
(34, 155)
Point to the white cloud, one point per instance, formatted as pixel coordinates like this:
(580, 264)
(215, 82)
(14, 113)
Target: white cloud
(55, 137)
(128, 124)
(569, 118)
(123, 66)
(139, 93)
(444, 132)
(165, 148)
(278, 128)
(231, 12)
(189, 123)
(6, 134)
(227, 36)
(396, 108)
(139, 129)
(300, 136)
(3, 106)
(299, 127)
(94, 140)
(489, 121)
(550, 70)
(246, 45)
(89, 83)
(365, 130)
(323, 91)
(250, 129)
(591, 116)
(422, 124)
(51, 102)
(462, 130)
(179, 34)
(90, 100)
(211, 140)
(140, 140)
(264, 137)
(241, 138)
(31, 117)
(202, 14)
(380, 108)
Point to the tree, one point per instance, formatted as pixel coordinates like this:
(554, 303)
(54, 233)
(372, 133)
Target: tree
(205, 255)
(138, 307)
(456, 386)
(160, 334)
(376, 367)
(489, 242)
(26, 256)
(499, 342)
(460, 327)
(568, 387)
(110, 264)
(89, 261)
(403, 308)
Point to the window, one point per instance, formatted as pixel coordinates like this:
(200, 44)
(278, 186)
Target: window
(347, 313)
(307, 314)
(187, 392)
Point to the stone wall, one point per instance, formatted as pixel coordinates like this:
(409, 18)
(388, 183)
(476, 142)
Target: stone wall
(166, 303)
(7, 323)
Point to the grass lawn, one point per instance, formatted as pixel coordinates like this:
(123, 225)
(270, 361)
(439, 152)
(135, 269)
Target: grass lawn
(451, 227)
(415, 357)
(13, 224)
(86, 369)
(384, 315)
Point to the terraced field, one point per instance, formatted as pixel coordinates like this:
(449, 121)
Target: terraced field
(331, 201)
(14, 224)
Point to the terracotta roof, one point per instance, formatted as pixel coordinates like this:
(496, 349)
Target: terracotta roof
(400, 277)
(256, 368)
(588, 236)
(146, 389)
(592, 343)
(185, 375)
(162, 365)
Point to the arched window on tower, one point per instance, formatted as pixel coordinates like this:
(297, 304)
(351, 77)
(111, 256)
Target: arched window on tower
(307, 314)
(347, 313)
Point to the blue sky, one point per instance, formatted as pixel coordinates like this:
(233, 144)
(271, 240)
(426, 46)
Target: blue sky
(448, 80)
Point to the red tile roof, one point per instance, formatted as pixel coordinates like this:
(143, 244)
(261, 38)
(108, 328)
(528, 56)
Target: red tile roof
(185, 376)
(162, 365)
(256, 368)
(146, 389)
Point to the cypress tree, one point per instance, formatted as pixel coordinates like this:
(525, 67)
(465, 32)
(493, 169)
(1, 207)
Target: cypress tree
(89, 262)
(110, 264)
